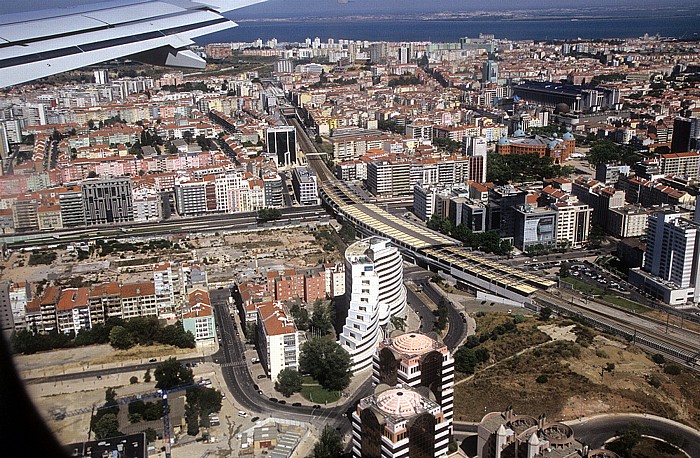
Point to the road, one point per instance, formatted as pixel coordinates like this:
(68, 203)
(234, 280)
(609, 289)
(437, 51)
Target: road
(208, 223)
(596, 430)
(457, 329)
(242, 387)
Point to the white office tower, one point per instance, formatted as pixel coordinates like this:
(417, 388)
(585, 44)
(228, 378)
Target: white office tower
(375, 292)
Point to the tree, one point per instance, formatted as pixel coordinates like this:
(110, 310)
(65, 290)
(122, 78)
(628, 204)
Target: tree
(604, 151)
(627, 440)
(321, 320)
(151, 435)
(658, 358)
(268, 214)
(171, 373)
(134, 380)
(465, 360)
(107, 426)
(147, 376)
(398, 323)
(110, 396)
(347, 232)
(288, 382)
(545, 313)
(329, 445)
(327, 362)
(120, 338)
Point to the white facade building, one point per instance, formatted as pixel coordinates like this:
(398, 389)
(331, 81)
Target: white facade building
(375, 292)
(278, 339)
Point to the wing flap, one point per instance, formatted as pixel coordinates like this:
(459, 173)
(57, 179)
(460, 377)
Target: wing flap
(46, 45)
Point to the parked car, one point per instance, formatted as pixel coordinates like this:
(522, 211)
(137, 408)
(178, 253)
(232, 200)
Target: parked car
(297, 404)
(261, 376)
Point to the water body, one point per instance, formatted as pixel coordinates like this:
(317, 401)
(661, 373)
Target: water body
(678, 25)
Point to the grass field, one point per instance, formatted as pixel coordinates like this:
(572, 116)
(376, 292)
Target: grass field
(610, 298)
(583, 287)
(625, 303)
(315, 393)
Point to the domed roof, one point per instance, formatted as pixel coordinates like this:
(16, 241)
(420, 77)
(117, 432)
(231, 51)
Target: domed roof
(553, 144)
(413, 344)
(562, 108)
(400, 402)
(503, 140)
(568, 136)
(519, 133)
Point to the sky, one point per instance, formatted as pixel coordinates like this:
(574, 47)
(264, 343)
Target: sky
(292, 8)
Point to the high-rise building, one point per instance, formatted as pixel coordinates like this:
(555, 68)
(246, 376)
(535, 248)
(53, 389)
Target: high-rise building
(282, 142)
(671, 269)
(107, 201)
(374, 292)
(305, 186)
(101, 76)
(671, 247)
(417, 360)
(686, 133)
(399, 422)
(489, 70)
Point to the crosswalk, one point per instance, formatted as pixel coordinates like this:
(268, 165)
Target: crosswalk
(233, 364)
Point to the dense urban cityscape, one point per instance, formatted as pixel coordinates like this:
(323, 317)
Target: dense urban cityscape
(332, 247)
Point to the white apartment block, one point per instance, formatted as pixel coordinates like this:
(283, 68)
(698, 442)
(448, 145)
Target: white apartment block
(375, 292)
(573, 223)
(278, 339)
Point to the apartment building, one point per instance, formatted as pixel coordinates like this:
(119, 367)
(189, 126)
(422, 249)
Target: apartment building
(305, 186)
(685, 164)
(107, 201)
(139, 299)
(73, 310)
(278, 339)
(199, 318)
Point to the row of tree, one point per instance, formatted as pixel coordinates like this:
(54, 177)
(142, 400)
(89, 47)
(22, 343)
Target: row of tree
(506, 168)
(488, 242)
(115, 331)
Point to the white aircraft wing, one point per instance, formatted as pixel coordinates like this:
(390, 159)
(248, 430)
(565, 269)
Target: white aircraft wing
(38, 44)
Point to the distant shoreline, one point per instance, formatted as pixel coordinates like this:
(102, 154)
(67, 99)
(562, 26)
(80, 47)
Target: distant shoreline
(450, 29)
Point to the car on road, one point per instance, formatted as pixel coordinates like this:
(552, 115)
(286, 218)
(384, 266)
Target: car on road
(281, 401)
(254, 360)
(261, 376)
(273, 399)
(316, 406)
(297, 404)
(254, 419)
(153, 360)
(242, 414)
(260, 392)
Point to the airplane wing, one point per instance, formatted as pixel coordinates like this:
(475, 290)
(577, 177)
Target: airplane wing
(38, 44)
